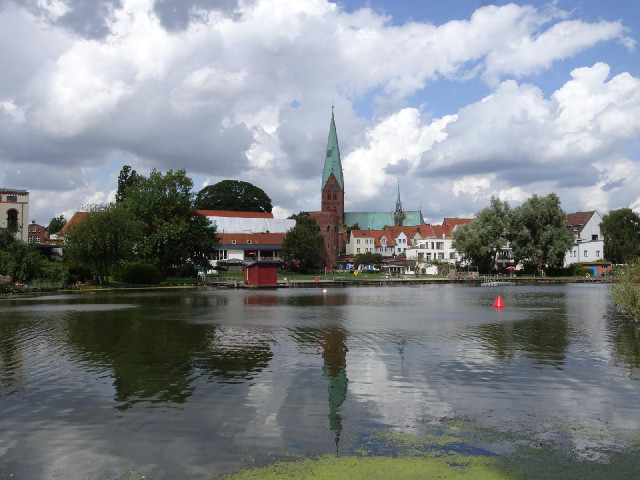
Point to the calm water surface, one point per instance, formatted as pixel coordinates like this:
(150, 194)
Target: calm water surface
(195, 383)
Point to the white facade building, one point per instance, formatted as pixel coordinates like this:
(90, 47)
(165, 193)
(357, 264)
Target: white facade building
(14, 209)
(588, 243)
(427, 250)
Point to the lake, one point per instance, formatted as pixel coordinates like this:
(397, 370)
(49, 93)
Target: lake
(196, 383)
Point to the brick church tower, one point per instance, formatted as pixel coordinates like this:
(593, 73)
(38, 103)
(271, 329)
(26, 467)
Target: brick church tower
(332, 180)
(331, 214)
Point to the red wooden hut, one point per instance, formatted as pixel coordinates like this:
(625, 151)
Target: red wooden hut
(261, 274)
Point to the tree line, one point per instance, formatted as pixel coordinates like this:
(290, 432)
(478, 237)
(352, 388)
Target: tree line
(537, 234)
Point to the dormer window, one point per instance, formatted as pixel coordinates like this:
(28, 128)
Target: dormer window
(233, 242)
(249, 241)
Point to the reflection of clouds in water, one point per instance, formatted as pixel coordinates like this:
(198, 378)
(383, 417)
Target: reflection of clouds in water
(391, 390)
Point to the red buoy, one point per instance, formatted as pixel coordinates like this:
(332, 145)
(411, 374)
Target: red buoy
(498, 303)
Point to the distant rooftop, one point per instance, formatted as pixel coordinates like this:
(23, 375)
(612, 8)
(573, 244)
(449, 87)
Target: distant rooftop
(13, 190)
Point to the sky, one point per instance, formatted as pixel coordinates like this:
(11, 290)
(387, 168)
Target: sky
(453, 101)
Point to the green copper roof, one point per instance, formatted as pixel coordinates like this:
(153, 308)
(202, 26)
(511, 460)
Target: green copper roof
(332, 162)
(379, 220)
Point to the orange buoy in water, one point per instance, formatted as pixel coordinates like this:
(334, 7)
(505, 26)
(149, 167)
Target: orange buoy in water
(498, 303)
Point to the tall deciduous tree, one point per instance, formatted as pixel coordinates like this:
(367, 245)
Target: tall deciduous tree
(174, 233)
(233, 195)
(303, 243)
(109, 234)
(482, 239)
(127, 181)
(56, 224)
(621, 232)
(538, 232)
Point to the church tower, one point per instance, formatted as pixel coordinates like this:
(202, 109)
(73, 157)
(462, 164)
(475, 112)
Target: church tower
(399, 215)
(332, 180)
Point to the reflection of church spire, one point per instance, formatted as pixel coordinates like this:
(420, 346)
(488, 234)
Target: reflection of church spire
(334, 354)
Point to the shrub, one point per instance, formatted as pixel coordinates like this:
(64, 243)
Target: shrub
(188, 270)
(137, 272)
(626, 290)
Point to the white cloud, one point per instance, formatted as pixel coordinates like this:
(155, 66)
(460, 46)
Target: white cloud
(530, 53)
(216, 98)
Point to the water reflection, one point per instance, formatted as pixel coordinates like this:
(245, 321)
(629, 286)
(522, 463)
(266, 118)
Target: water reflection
(625, 336)
(544, 338)
(235, 374)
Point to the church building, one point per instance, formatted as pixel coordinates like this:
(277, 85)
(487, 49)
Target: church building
(332, 218)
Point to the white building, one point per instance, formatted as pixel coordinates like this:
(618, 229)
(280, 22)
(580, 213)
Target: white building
(14, 210)
(435, 248)
(588, 243)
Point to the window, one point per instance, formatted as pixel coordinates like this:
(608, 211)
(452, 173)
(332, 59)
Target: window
(249, 242)
(12, 198)
(586, 254)
(594, 237)
(38, 239)
(358, 241)
(12, 218)
(598, 253)
(357, 250)
(452, 255)
(233, 242)
(439, 245)
(441, 256)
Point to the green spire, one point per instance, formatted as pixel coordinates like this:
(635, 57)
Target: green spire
(332, 162)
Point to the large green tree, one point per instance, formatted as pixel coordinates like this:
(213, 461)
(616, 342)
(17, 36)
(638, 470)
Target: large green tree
(128, 180)
(233, 195)
(302, 245)
(174, 233)
(621, 232)
(538, 232)
(56, 224)
(482, 239)
(19, 260)
(109, 234)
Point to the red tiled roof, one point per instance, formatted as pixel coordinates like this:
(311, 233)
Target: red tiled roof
(395, 231)
(376, 235)
(456, 221)
(425, 231)
(260, 238)
(232, 214)
(76, 219)
(440, 230)
(578, 219)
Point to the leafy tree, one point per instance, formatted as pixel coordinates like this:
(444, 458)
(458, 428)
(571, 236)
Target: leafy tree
(482, 239)
(174, 233)
(19, 260)
(233, 195)
(127, 181)
(303, 243)
(110, 234)
(56, 224)
(621, 232)
(538, 232)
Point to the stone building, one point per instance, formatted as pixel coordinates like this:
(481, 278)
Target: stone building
(14, 211)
